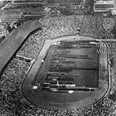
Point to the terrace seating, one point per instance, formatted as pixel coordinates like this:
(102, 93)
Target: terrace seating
(12, 101)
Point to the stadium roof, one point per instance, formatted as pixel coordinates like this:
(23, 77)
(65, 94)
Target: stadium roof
(48, 1)
(104, 5)
(28, 1)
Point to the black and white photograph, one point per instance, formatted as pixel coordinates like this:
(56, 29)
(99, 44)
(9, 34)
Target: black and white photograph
(57, 57)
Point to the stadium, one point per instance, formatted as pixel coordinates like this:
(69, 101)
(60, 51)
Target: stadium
(57, 58)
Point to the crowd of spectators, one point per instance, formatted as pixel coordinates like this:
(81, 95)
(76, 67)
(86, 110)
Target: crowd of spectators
(61, 25)
(67, 25)
(12, 102)
(32, 46)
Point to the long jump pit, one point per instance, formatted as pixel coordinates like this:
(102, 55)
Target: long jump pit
(70, 72)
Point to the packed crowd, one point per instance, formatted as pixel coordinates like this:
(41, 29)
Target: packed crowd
(12, 102)
(32, 46)
(67, 25)
(58, 26)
